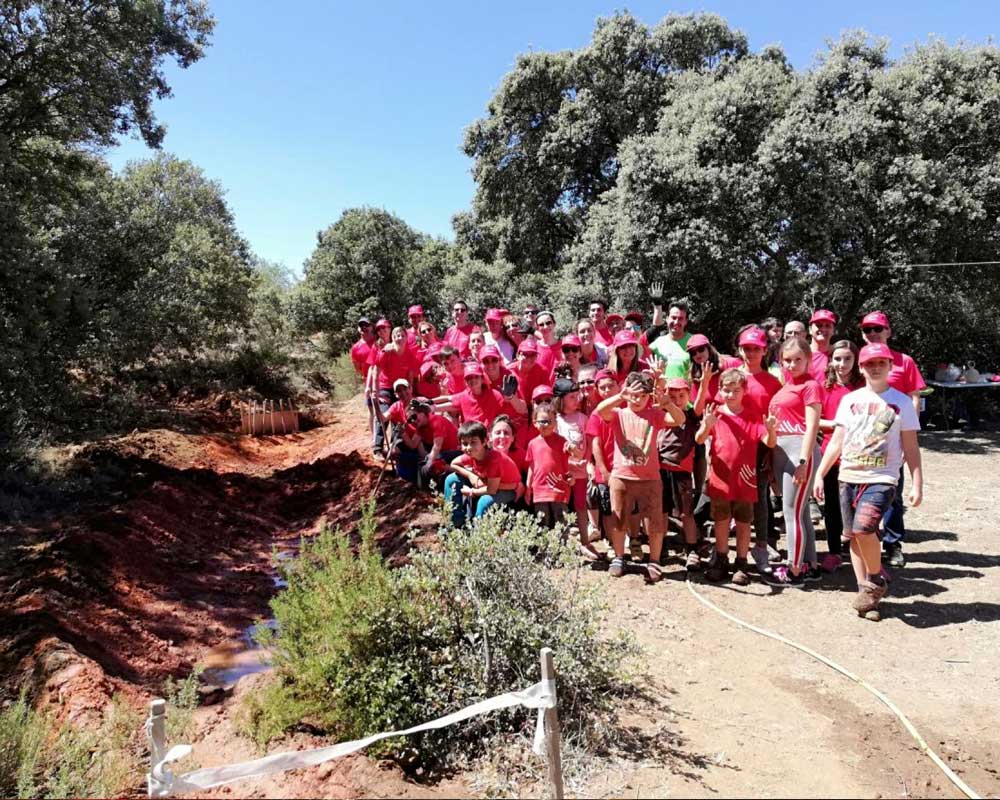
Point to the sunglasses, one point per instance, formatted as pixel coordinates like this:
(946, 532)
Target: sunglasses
(581, 384)
(424, 331)
(545, 324)
(873, 329)
(571, 349)
(543, 422)
(491, 360)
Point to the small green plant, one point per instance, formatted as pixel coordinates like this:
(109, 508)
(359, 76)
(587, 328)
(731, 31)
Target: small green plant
(360, 648)
(182, 700)
(23, 733)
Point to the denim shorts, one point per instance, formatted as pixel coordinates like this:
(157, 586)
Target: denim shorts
(862, 506)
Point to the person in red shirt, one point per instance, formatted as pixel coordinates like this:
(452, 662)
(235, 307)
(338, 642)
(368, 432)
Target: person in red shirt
(426, 338)
(591, 352)
(527, 370)
(458, 334)
(706, 363)
(430, 442)
(732, 479)
(616, 323)
(383, 330)
(601, 440)
(502, 442)
(454, 367)
(761, 387)
(494, 325)
(842, 378)
(549, 347)
(429, 379)
(473, 487)
(821, 327)
(569, 365)
(635, 473)
(797, 407)
(587, 381)
(598, 313)
(477, 341)
(623, 356)
(416, 316)
(361, 352)
(391, 363)
(549, 482)
(477, 402)
(906, 378)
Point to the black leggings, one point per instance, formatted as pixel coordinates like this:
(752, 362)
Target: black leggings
(832, 519)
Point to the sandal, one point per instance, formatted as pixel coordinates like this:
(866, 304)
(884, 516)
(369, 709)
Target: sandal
(588, 553)
(653, 572)
(617, 568)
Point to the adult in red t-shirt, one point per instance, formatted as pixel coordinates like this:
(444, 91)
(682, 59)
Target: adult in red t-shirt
(598, 313)
(361, 350)
(549, 346)
(527, 370)
(458, 334)
(821, 327)
(475, 403)
(416, 316)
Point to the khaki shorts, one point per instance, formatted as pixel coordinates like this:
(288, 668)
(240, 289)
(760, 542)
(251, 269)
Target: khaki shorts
(645, 496)
(740, 510)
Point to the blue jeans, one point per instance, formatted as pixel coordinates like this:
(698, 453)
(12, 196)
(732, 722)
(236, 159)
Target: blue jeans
(893, 527)
(463, 507)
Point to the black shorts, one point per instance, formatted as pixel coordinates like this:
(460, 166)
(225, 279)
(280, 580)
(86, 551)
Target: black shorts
(599, 497)
(678, 493)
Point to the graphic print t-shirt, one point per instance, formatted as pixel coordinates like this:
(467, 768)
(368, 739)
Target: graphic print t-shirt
(636, 457)
(873, 444)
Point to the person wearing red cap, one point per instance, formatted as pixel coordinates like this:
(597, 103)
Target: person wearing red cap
(416, 316)
(429, 378)
(635, 473)
(732, 481)
(458, 334)
(616, 323)
(906, 378)
(569, 365)
(477, 402)
(797, 407)
(499, 377)
(821, 327)
(875, 433)
(393, 362)
(527, 370)
(591, 352)
(676, 446)
(597, 312)
(549, 346)
(623, 357)
(671, 346)
(761, 387)
(383, 329)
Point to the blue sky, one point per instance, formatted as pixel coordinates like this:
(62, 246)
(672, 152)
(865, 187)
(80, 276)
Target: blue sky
(304, 109)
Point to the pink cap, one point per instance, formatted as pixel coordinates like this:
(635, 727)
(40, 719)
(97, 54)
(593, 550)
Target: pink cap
(875, 318)
(473, 370)
(696, 341)
(678, 383)
(383, 323)
(414, 310)
(488, 351)
(427, 368)
(494, 315)
(823, 315)
(872, 351)
(635, 316)
(540, 392)
(753, 336)
(572, 340)
(614, 318)
(604, 374)
(624, 337)
(528, 346)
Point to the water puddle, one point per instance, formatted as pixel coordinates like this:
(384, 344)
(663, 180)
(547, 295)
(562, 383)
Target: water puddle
(226, 663)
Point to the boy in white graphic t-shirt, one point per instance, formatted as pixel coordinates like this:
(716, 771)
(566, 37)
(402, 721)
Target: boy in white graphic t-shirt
(876, 430)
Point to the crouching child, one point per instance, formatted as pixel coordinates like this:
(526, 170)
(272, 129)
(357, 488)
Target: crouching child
(473, 487)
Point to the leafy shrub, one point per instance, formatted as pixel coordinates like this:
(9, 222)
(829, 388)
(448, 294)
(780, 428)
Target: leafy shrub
(360, 648)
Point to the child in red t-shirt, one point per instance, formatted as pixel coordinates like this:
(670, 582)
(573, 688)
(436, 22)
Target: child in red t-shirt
(474, 484)
(549, 481)
(732, 478)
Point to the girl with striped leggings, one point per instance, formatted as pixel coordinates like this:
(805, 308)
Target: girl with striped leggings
(796, 457)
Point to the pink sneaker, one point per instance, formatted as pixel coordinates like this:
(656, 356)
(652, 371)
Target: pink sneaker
(831, 562)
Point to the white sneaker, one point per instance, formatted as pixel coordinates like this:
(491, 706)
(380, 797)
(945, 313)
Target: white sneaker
(761, 558)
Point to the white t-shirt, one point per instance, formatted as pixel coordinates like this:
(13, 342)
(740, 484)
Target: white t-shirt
(873, 443)
(573, 427)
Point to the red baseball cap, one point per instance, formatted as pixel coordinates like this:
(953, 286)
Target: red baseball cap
(540, 392)
(528, 346)
(494, 314)
(623, 338)
(635, 316)
(414, 310)
(696, 341)
(875, 318)
(427, 368)
(571, 340)
(678, 383)
(823, 315)
(383, 323)
(872, 351)
(614, 318)
(752, 336)
(488, 351)
(604, 374)
(473, 370)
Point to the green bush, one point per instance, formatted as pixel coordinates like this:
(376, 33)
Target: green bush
(360, 648)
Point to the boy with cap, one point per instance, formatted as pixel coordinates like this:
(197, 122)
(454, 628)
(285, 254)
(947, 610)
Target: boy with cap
(906, 378)
(876, 431)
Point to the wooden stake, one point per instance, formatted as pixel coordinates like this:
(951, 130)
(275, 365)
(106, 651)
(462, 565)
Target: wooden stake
(157, 742)
(552, 729)
(284, 419)
(273, 429)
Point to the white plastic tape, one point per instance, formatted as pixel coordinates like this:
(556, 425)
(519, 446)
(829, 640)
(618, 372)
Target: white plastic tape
(162, 784)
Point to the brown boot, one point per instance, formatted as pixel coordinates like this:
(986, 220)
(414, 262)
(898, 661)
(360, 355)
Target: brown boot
(867, 598)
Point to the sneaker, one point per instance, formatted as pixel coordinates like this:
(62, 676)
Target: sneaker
(617, 568)
(832, 562)
(740, 577)
(772, 553)
(814, 574)
(815, 514)
(761, 558)
(691, 561)
(783, 577)
(894, 556)
(719, 570)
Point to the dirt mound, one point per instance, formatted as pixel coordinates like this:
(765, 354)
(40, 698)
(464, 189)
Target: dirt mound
(143, 586)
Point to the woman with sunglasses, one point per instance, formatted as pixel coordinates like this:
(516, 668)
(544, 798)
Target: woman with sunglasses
(569, 365)
(549, 347)
(508, 338)
(426, 336)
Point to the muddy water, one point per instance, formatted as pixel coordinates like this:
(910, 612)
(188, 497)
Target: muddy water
(229, 661)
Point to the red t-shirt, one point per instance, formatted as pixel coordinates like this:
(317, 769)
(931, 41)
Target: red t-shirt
(428, 389)
(733, 472)
(831, 400)
(397, 413)
(440, 426)
(603, 336)
(548, 459)
(360, 353)
(904, 375)
(789, 404)
(623, 372)
(548, 356)
(485, 408)
(459, 338)
(510, 473)
(392, 366)
(636, 457)
(517, 454)
(528, 381)
(761, 388)
(454, 383)
(490, 467)
(817, 367)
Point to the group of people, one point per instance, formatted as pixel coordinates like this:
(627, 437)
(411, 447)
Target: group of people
(621, 428)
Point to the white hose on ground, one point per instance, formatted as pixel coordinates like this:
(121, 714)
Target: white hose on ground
(962, 786)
